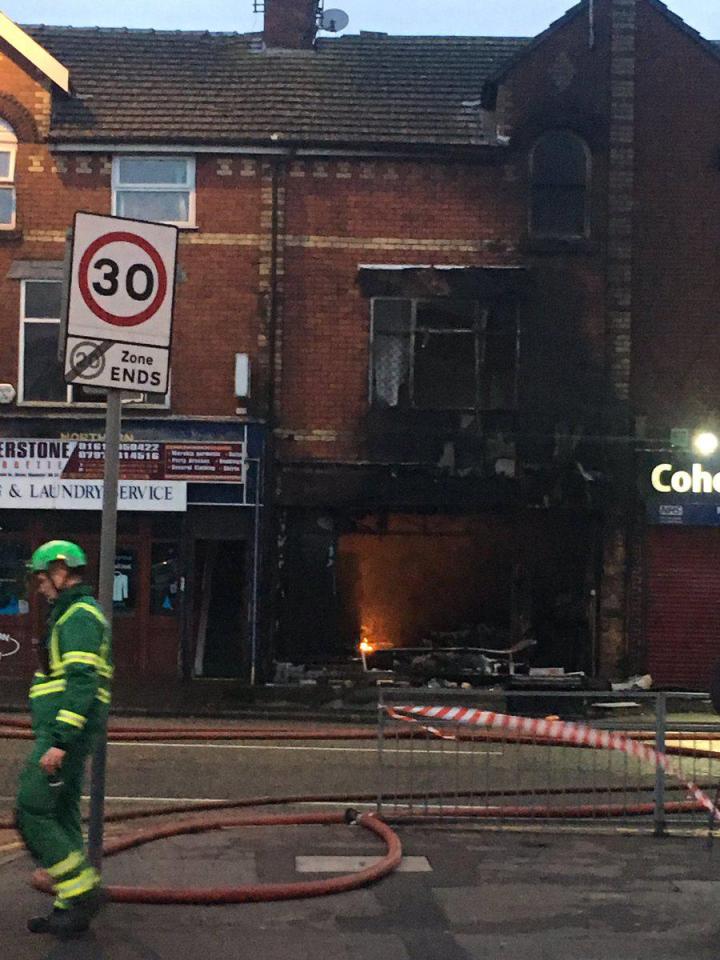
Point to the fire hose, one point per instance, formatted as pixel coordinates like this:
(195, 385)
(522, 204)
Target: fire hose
(248, 893)
(511, 728)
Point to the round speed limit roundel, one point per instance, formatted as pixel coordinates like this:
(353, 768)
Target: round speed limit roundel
(122, 279)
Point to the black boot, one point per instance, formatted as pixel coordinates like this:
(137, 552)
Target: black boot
(91, 904)
(61, 923)
(41, 924)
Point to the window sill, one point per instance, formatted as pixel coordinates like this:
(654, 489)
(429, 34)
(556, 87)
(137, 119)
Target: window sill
(11, 235)
(581, 246)
(80, 407)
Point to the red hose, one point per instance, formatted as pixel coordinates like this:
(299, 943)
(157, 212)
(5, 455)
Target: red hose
(249, 892)
(18, 728)
(169, 809)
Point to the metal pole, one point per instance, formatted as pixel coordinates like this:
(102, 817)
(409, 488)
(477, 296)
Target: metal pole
(382, 718)
(660, 726)
(108, 537)
(256, 569)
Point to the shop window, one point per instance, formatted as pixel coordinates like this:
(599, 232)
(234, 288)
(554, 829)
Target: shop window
(13, 594)
(41, 376)
(560, 177)
(443, 354)
(165, 580)
(161, 189)
(125, 581)
(8, 154)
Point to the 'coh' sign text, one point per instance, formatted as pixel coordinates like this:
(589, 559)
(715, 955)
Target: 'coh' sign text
(665, 479)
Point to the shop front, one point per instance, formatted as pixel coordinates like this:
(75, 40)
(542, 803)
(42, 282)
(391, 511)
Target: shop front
(449, 561)
(681, 569)
(185, 564)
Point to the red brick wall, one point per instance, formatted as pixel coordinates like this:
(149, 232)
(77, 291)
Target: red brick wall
(341, 214)
(457, 213)
(676, 335)
(217, 304)
(380, 213)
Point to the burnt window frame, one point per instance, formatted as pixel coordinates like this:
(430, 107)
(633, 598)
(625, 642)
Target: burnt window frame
(482, 333)
(559, 185)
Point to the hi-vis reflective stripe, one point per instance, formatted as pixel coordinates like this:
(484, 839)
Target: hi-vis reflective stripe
(59, 686)
(88, 607)
(72, 719)
(55, 659)
(84, 883)
(91, 659)
(71, 862)
(101, 666)
(43, 689)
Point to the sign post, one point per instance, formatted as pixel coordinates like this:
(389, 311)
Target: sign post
(118, 335)
(108, 538)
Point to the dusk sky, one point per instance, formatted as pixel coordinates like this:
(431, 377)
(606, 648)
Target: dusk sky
(478, 17)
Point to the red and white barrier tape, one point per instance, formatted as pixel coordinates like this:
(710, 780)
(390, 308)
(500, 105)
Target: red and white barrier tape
(559, 731)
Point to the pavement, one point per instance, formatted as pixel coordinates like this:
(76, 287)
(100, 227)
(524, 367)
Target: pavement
(478, 893)
(222, 698)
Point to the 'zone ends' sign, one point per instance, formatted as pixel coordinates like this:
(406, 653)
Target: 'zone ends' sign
(120, 303)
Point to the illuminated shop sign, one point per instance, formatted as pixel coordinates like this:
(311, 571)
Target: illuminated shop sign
(697, 480)
(682, 494)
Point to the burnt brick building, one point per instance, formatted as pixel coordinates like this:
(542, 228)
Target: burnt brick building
(474, 279)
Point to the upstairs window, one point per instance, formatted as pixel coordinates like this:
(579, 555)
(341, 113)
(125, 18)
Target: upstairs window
(560, 177)
(444, 354)
(41, 375)
(161, 189)
(8, 152)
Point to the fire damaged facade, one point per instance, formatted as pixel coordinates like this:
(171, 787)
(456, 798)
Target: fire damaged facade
(474, 290)
(462, 458)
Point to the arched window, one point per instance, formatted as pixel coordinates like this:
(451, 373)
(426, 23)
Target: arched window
(559, 182)
(8, 151)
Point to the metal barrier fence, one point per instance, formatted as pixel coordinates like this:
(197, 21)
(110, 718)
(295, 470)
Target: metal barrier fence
(501, 775)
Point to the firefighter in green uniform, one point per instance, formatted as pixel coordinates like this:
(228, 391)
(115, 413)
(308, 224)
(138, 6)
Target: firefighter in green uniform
(69, 699)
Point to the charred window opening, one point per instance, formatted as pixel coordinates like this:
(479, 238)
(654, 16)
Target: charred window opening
(560, 176)
(444, 353)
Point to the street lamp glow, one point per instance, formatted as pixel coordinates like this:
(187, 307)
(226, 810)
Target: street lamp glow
(705, 443)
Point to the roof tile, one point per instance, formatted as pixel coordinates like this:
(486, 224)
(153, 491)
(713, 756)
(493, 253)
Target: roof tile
(151, 85)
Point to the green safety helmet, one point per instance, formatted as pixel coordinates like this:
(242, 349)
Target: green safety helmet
(69, 553)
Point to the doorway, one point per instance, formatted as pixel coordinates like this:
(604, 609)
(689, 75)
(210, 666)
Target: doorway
(219, 603)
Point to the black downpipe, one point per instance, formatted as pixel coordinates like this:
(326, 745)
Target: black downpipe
(266, 610)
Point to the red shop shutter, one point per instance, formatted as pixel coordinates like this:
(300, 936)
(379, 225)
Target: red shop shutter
(683, 605)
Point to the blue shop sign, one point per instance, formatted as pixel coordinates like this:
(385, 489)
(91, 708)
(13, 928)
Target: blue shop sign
(682, 493)
(687, 513)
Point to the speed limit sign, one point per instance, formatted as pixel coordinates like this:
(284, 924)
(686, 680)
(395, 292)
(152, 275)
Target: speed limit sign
(120, 303)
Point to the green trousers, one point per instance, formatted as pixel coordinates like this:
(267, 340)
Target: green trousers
(49, 820)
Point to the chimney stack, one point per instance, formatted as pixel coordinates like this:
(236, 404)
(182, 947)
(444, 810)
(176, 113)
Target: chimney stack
(290, 24)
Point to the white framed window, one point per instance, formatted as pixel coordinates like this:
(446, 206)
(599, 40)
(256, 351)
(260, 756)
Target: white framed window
(161, 189)
(40, 377)
(8, 154)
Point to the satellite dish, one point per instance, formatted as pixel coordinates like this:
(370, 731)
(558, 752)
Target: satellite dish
(334, 20)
